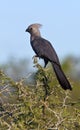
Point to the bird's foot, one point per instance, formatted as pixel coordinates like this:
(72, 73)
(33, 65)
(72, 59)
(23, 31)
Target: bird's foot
(35, 56)
(35, 59)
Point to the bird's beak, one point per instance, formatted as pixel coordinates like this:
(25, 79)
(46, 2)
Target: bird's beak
(27, 30)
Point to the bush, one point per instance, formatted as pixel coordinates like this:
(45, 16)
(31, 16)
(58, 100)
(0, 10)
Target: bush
(42, 106)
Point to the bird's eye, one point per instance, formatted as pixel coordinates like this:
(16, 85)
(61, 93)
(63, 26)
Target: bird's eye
(30, 29)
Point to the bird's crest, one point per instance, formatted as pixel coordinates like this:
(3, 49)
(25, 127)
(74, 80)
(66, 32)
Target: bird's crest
(36, 25)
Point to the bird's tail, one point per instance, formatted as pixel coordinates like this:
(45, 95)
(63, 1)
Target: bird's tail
(61, 77)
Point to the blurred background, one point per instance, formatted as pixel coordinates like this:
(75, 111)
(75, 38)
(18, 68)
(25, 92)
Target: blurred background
(22, 107)
(61, 26)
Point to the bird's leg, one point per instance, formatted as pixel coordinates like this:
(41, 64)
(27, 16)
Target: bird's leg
(46, 62)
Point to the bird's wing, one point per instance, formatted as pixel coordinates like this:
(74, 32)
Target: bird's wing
(44, 49)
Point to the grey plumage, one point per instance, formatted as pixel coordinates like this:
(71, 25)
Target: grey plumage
(44, 50)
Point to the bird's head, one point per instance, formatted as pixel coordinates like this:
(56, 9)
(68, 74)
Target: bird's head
(33, 29)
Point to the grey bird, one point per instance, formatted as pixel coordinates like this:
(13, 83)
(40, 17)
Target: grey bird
(45, 50)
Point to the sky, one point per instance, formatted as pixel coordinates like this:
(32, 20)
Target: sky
(60, 20)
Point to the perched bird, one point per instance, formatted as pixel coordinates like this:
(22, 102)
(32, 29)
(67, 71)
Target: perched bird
(45, 50)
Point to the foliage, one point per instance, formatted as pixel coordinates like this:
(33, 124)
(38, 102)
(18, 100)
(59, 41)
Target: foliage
(42, 106)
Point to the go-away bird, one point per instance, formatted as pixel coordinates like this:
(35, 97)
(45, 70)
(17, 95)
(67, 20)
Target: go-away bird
(45, 50)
